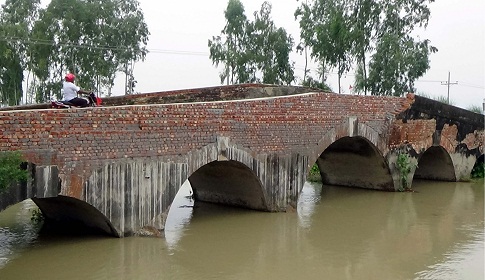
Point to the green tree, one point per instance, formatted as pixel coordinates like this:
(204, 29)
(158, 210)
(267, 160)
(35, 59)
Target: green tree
(342, 32)
(93, 39)
(228, 48)
(252, 51)
(313, 20)
(325, 28)
(364, 23)
(11, 76)
(310, 82)
(16, 20)
(399, 60)
(271, 48)
(396, 64)
(340, 41)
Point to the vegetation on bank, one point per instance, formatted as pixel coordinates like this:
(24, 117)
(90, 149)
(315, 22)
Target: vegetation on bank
(314, 174)
(478, 170)
(404, 165)
(10, 169)
(37, 216)
(475, 109)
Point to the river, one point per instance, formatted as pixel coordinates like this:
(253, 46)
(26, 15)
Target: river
(436, 232)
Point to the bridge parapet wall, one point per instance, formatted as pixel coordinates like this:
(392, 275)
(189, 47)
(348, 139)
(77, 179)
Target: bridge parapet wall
(274, 125)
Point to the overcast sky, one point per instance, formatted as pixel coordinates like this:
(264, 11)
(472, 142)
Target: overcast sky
(179, 55)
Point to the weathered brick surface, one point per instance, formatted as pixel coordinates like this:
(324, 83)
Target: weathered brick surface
(427, 122)
(266, 125)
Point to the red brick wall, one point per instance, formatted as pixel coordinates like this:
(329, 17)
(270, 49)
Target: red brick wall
(264, 125)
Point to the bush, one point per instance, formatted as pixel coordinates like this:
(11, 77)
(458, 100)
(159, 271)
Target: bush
(10, 169)
(314, 174)
(475, 109)
(478, 170)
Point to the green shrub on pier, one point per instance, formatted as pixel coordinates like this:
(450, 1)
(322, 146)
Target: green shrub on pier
(314, 174)
(10, 169)
(478, 170)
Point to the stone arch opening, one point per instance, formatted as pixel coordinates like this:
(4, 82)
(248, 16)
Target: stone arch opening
(230, 183)
(435, 164)
(67, 214)
(355, 162)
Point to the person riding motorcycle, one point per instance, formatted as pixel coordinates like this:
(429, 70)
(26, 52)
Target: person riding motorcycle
(70, 92)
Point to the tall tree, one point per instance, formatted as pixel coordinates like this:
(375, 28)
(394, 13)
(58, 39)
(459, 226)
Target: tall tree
(325, 29)
(270, 48)
(340, 41)
(340, 32)
(93, 39)
(252, 51)
(397, 63)
(399, 59)
(228, 48)
(365, 19)
(16, 20)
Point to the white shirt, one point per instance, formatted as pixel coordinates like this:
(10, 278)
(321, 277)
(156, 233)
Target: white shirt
(69, 90)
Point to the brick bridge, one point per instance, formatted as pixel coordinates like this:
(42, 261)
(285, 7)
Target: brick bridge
(119, 167)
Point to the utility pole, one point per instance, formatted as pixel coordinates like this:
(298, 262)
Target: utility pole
(448, 84)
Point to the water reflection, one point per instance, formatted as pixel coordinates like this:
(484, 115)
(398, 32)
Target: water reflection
(308, 200)
(339, 233)
(16, 230)
(179, 216)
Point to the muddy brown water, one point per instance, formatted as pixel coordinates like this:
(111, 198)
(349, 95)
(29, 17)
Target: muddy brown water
(337, 233)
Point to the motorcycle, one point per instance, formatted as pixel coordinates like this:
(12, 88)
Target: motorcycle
(93, 101)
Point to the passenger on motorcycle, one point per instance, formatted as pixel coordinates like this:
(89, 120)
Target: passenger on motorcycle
(70, 91)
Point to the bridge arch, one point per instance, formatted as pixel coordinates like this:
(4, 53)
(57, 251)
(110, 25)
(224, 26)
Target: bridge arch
(136, 194)
(228, 182)
(353, 156)
(355, 162)
(435, 164)
(72, 213)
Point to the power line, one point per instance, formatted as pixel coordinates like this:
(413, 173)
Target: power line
(178, 52)
(463, 84)
(100, 47)
(428, 81)
(458, 83)
(52, 43)
(197, 53)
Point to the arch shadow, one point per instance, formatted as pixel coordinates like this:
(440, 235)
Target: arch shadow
(435, 164)
(229, 183)
(70, 214)
(355, 162)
